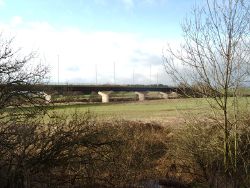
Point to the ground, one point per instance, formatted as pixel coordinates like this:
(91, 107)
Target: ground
(167, 111)
(153, 110)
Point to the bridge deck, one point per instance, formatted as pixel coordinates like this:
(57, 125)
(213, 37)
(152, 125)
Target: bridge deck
(87, 89)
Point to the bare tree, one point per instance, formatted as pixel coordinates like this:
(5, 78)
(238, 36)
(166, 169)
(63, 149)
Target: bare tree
(18, 74)
(215, 58)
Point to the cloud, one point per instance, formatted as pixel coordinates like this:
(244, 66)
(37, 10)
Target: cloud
(16, 20)
(145, 58)
(81, 52)
(73, 68)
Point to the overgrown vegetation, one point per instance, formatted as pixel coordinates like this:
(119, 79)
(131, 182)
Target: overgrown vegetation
(79, 151)
(197, 154)
(213, 62)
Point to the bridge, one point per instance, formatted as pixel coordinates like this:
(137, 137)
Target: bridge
(106, 90)
(103, 90)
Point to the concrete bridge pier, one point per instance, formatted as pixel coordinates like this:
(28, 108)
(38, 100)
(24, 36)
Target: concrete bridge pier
(173, 95)
(164, 95)
(105, 96)
(47, 98)
(140, 95)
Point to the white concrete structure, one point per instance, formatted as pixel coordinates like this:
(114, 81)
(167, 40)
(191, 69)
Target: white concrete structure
(105, 96)
(174, 95)
(44, 95)
(47, 98)
(140, 95)
(164, 95)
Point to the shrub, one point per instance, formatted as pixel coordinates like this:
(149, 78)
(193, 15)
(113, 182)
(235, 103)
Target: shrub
(78, 150)
(198, 155)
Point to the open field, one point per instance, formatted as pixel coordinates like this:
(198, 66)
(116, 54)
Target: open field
(169, 110)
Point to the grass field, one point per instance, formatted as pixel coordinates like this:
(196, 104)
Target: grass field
(163, 110)
(151, 110)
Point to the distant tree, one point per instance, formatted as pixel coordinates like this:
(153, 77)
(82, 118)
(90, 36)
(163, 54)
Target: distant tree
(18, 74)
(215, 58)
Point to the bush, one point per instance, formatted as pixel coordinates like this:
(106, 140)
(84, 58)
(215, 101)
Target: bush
(78, 151)
(198, 157)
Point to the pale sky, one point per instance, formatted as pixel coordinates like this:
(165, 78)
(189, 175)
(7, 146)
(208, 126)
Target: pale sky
(91, 36)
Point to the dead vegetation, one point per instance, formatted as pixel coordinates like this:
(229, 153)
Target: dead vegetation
(197, 155)
(79, 152)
